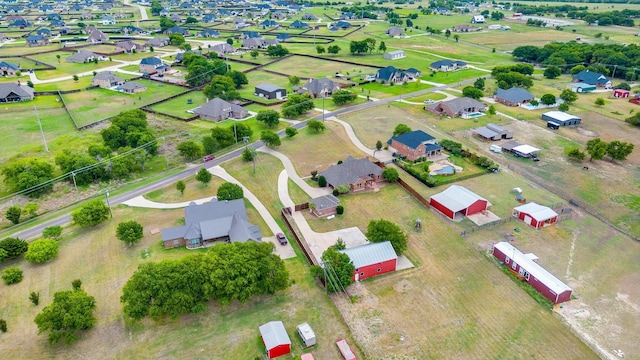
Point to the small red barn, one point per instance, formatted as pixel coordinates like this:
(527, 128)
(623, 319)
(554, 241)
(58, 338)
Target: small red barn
(621, 93)
(372, 259)
(535, 215)
(531, 272)
(457, 200)
(275, 339)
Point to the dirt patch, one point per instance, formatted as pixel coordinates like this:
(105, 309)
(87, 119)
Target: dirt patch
(403, 285)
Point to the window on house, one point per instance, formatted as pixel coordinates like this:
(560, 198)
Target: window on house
(176, 242)
(514, 265)
(526, 275)
(361, 274)
(506, 260)
(379, 270)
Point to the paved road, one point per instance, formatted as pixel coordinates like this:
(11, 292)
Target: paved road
(143, 11)
(118, 199)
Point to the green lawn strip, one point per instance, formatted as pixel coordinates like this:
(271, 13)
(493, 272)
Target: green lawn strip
(64, 68)
(393, 90)
(180, 105)
(450, 77)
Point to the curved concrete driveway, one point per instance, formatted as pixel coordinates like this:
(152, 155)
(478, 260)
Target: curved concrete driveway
(383, 155)
(141, 201)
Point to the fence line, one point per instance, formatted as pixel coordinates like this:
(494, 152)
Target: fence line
(64, 105)
(288, 219)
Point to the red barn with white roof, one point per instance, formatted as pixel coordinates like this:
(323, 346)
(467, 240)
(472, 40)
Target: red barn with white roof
(535, 215)
(372, 259)
(458, 200)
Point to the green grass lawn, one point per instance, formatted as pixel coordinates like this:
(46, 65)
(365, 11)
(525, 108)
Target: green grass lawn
(306, 68)
(64, 68)
(392, 90)
(179, 105)
(445, 77)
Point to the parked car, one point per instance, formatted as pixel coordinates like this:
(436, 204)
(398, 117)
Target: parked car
(208, 158)
(281, 238)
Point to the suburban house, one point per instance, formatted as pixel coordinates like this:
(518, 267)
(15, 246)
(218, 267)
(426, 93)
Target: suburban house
(390, 75)
(358, 174)
(217, 109)
(324, 205)
(253, 43)
(535, 215)
(132, 30)
(132, 87)
(456, 202)
(128, 46)
(97, 37)
(560, 118)
(106, 80)
(412, 73)
(493, 132)
(478, 19)
(395, 32)
(298, 25)
(209, 18)
(415, 145)
(513, 97)
(322, 87)
(108, 20)
(249, 35)
(283, 37)
(8, 69)
(269, 91)
(372, 259)
(342, 25)
(157, 42)
(456, 107)
(394, 55)
(15, 92)
(43, 32)
(175, 18)
(176, 30)
(152, 65)
(209, 33)
(223, 49)
(275, 339)
(527, 269)
(269, 24)
(37, 40)
(309, 16)
(592, 78)
(82, 56)
(212, 222)
(448, 65)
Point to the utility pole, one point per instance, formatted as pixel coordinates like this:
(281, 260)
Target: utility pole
(73, 174)
(323, 107)
(106, 193)
(44, 140)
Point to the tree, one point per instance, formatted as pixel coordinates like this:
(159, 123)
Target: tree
(30, 84)
(254, 54)
(382, 47)
(552, 72)
(166, 23)
(58, 57)
(390, 174)
(180, 186)
(191, 20)
(322, 181)
(576, 154)
(248, 154)
(75, 78)
(577, 69)
(316, 126)
(91, 214)
(333, 49)
(563, 107)
(223, 87)
(384, 230)
(472, 92)
(13, 214)
(156, 7)
(619, 150)
(210, 145)
(294, 80)
(456, 37)
(497, 15)
(239, 78)
(291, 131)
(597, 149)
(223, 136)
(230, 41)
(338, 270)
(277, 50)
(12, 275)
(270, 138)
(447, 33)
(176, 39)
(41, 251)
(401, 129)
(70, 311)
(130, 232)
(342, 97)
(296, 105)
(13, 247)
(548, 99)
(378, 145)
(270, 118)
(201, 71)
(479, 83)
(623, 86)
(203, 176)
(340, 209)
(26, 174)
(568, 96)
(52, 232)
(492, 110)
(76, 284)
(229, 191)
(189, 149)
(320, 49)
(599, 101)
(34, 297)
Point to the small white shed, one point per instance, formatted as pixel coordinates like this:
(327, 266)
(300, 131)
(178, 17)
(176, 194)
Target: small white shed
(306, 334)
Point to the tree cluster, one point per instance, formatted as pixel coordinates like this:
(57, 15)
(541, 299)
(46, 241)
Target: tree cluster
(615, 150)
(200, 70)
(41, 251)
(296, 105)
(30, 175)
(222, 137)
(227, 273)
(277, 50)
(11, 248)
(384, 230)
(222, 87)
(337, 270)
(362, 46)
(342, 97)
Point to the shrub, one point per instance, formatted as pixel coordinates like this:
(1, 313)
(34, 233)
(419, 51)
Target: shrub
(76, 284)
(12, 275)
(52, 232)
(3, 325)
(14, 247)
(340, 210)
(343, 189)
(335, 192)
(41, 251)
(35, 298)
(322, 181)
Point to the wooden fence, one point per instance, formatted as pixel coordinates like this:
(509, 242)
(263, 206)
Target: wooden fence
(288, 219)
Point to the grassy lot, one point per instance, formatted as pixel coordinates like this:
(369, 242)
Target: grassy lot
(261, 77)
(306, 68)
(22, 49)
(430, 96)
(444, 77)
(179, 105)
(392, 90)
(82, 83)
(193, 190)
(104, 264)
(64, 68)
(87, 106)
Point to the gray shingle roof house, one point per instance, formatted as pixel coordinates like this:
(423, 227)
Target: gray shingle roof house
(395, 31)
(415, 144)
(324, 205)
(456, 107)
(106, 80)
(592, 78)
(14, 92)
(176, 30)
(514, 96)
(211, 222)
(132, 87)
(218, 110)
(223, 49)
(152, 65)
(97, 36)
(320, 87)
(359, 174)
(298, 25)
(447, 65)
(157, 42)
(128, 46)
(37, 40)
(82, 56)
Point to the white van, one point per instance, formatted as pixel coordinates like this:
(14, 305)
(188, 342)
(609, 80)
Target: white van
(495, 148)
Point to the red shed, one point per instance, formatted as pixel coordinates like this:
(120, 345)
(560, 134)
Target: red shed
(621, 93)
(456, 200)
(372, 259)
(535, 215)
(275, 339)
(531, 272)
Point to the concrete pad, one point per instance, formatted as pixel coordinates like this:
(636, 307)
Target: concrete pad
(483, 217)
(284, 251)
(403, 263)
(155, 231)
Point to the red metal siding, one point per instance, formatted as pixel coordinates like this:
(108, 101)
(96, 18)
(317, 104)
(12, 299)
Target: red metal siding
(279, 350)
(476, 207)
(372, 270)
(443, 209)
